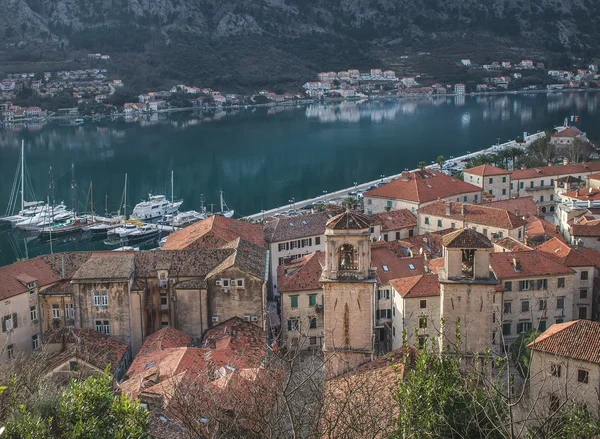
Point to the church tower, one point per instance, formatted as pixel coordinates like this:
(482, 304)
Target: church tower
(467, 292)
(349, 286)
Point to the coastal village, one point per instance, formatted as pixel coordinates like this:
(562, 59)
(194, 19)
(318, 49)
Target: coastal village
(422, 259)
(89, 92)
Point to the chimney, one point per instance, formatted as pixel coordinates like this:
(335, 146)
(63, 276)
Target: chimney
(462, 209)
(549, 163)
(590, 190)
(448, 208)
(566, 161)
(523, 167)
(516, 264)
(405, 175)
(517, 212)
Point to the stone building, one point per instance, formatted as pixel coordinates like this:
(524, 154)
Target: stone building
(490, 221)
(495, 181)
(349, 292)
(565, 367)
(567, 135)
(393, 225)
(419, 188)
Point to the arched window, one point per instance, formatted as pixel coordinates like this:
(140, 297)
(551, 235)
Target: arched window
(347, 258)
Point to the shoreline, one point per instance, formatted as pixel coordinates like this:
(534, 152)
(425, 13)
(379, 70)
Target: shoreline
(298, 102)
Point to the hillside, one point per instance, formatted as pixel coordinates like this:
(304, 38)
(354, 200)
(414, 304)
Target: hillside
(250, 43)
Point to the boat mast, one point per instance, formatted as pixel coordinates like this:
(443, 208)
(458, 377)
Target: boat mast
(22, 175)
(106, 205)
(125, 204)
(92, 200)
(221, 192)
(51, 200)
(172, 196)
(73, 192)
(202, 208)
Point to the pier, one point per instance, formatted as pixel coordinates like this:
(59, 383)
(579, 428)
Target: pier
(338, 196)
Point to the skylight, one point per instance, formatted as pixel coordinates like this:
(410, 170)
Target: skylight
(291, 224)
(428, 185)
(149, 365)
(385, 268)
(411, 266)
(304, 222)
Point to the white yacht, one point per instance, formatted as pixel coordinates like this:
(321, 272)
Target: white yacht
(102, 225)
(183, 219)
(121, 233)
(155, 207)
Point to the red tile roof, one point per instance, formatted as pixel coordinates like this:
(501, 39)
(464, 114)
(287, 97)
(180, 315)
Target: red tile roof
(36, 268)
(522, 206)
(538, 228)
(474, 213)
(585, 227)
(595, 176)
(466, 238)
(579, 340)
(429, 244)
(436, 264)
(553, 171)
(286, 228)
(511, 244)
(214, 232)
(587, 194)
(349, 220)
(568, 132)
(531, 263)
(389, 266)
(486, 170)
(426, 285)
(423, 186)
(395, 220)
(301, 274)
(565, 254)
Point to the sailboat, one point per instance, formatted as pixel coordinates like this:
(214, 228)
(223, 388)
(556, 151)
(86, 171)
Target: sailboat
(29, 209)
(157, 206)
(101, 225)
(224, 209)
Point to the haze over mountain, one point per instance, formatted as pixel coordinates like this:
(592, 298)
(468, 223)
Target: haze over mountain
(251, 42)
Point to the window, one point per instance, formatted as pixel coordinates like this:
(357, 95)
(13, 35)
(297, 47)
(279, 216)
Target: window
(542, 284)
(551, 197)
(426, 220)
(294, 302)
(389, 204)
(293, 325)
(507, 307)
(511, 186)
(583, 376)
(163, 299)
(225, 283)
(554, 403)
(9, 322)
(10, 351)
(555, 370)
(33, 313)
(318, 239)
(551, 182)
(69, 311)
(520, 233)
(582, 312)
(394, 311)
(521, 185)
(55, 311)
(465, 199)
(100, 298)
(106, 327)
(385, 237)
(369, 201)
(560, 321)
(584, 275)
(411, 233)
(525, 306)
(35, 341)
(506, 328)
(491, 192)
(313, 341)
(583, 294)
(281, 260)
(475, 197)
(423, 303)
(560, 303)
(294, 244)
(524, 285)
(98, 325)
(541, 198)
(491, 180)
(240, 283)
(542, 183)
(561, 282)
(453, 225)
(542, 326)
(503, 179)
(508, 286)
(397, 236)
(485, 232)
(281, 246)
(523, 327)
(307, 242)
(439, 223)
(313, 323)
(383, 294)
(312, 300)
(423, 322)
(543, 304)
(393, 331)
(385, 268)
(531, 184)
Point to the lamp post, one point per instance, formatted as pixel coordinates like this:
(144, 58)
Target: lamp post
(263, 214)
(355, 186)
(292, 203)
(382, 177)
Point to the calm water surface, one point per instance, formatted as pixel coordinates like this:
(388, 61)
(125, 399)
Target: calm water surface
(263, 157)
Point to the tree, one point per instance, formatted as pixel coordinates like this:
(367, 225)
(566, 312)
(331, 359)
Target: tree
(520, 355)
(543, 149)
(421, 165)
(578, 151)
(440, 161)
(515, 153)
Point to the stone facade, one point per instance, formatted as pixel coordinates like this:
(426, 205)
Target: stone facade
(407, 316)
(20, 335)
(302, 319)
(496, 185)
(433, 223)
(379, 204)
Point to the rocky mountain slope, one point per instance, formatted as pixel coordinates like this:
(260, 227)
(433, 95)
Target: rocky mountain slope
(249, 39)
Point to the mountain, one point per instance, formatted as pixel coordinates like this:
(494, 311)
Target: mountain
(247, 43)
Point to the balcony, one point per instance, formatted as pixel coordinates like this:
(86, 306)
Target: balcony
(347, 275)
(539, 188)
(319, 308)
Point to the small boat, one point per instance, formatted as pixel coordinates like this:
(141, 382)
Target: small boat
(183, 219)
(103, 225)
(224, 209)
(63, 229)
(127, 248)
(155, 207)
(121, 232)
(79, 121)
(163, 241)
(143, 233)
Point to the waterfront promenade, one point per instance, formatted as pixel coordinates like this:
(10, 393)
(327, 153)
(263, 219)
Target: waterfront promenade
(339, 196)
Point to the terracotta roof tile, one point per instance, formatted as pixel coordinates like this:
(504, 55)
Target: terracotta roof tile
(186, 263)
(529, 263)
(429, 244)
(585, 227)
(423, 186)
(349, 220)
(474, 213)
(554, 171)
(248, 257)
(568, 132)
(214, 232)
(538, 229)
(511, 244)
(389, 265)
(486, 170)
(434, 265)
(426, 285)
(586, 194)
(36, 268)
(302, 274)
(522, 206)
(466, 238)
(395, 220)
(579, 340)
(106, 265)
(288, 228)
(565, 254)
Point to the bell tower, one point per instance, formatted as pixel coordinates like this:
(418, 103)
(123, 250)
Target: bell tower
(467, 292)
(349, 291)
